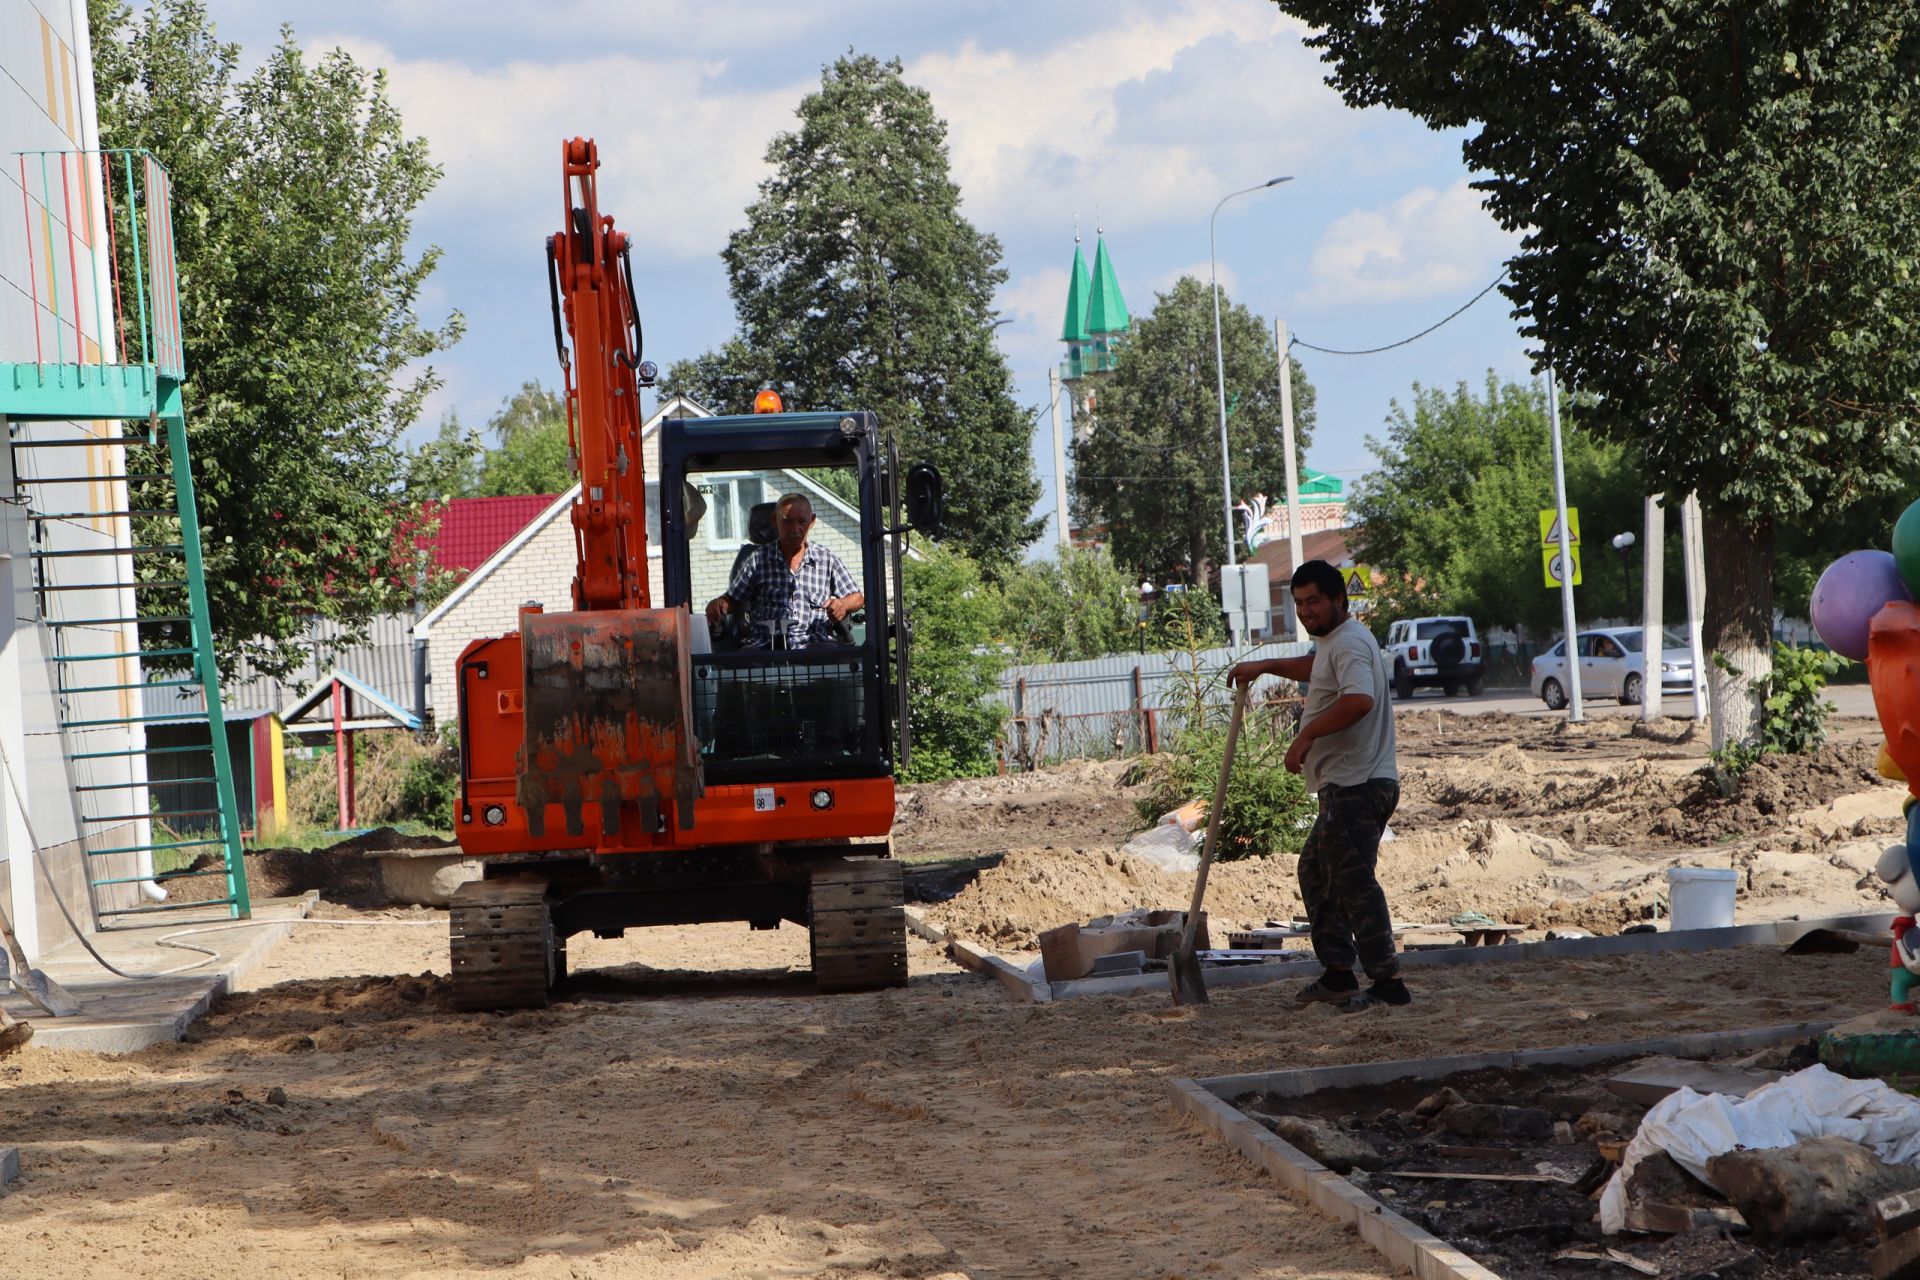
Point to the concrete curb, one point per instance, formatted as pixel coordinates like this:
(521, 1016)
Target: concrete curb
(968, 956)
(121, 1015)
(1773, 932)
(1407, 1245)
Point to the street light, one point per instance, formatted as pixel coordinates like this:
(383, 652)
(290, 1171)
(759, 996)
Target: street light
(1621, 541)
(1146, 614)
(1220, 359)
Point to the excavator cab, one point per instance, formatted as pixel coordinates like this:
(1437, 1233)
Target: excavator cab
(772, 704)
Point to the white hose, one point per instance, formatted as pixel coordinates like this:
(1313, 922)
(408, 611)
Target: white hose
(166, 940)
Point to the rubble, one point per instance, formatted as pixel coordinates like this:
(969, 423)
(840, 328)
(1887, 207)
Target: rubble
(1808, 1190)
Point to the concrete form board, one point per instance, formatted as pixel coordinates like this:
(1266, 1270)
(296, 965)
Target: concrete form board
(1773, 932)
(9, 1166)
(1406, 1245)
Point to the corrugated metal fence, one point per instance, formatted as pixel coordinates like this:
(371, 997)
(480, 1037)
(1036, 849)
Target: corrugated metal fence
(1111, 706)
(384, 660)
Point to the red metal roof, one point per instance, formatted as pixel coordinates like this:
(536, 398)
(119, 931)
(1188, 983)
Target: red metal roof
(471, 529)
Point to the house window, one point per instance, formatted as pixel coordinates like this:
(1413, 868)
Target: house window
(729, 501)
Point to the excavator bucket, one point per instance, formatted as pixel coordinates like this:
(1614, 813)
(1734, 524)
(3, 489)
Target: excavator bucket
(609, 723)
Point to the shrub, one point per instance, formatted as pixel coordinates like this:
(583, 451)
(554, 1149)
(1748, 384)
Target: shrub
(1268, 810)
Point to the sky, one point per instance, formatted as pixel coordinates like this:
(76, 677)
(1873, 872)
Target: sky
(1132, 118)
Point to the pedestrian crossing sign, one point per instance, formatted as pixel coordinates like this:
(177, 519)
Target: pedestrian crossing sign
(1550, 527)
(1358, 579)
(1550, 565)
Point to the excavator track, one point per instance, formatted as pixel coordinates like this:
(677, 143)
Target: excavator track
(504, 952)
(858, 936)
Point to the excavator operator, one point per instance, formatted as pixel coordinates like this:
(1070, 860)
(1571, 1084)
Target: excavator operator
(795, 592)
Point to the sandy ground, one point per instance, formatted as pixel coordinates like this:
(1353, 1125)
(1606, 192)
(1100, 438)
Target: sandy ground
(690, 1110)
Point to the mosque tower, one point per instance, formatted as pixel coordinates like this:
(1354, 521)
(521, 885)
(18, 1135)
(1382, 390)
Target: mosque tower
(1095, 325)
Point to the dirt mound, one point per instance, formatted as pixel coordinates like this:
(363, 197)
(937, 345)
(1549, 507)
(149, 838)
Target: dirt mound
(1086, 803)
(386, 840)
(1481, 865)
(1770, 789)
(340, 874)
(1033, 890)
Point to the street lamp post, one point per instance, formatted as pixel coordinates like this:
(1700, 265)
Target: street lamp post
(1621, 541)
(1220, 361)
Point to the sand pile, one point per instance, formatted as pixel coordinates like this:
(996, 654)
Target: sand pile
(1033, 890)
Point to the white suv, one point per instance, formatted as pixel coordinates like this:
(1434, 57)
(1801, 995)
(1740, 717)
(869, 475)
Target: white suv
(1444, 652)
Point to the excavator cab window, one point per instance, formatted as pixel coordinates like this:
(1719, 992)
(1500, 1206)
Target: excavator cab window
(790, 676)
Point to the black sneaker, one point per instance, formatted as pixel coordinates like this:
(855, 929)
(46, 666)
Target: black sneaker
(1332, 987)
(1387, 991)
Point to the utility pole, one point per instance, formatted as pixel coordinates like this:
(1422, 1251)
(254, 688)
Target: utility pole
(1575, 712)
(1696, 565)
(1059, 459)
(1652, 605)
(1293, 468)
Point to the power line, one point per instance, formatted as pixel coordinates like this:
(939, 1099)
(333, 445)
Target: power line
(1374, 351)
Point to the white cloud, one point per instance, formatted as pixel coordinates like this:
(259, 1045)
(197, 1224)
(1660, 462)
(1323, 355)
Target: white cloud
(1154, 113)
(681, 153)
(1426, 244)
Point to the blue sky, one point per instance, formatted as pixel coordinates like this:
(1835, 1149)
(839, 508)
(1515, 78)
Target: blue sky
(1135, 114)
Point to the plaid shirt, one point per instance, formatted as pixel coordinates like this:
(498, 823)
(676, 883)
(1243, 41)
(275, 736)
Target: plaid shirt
(795, 602)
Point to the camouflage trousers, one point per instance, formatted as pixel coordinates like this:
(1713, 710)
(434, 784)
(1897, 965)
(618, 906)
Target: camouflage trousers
(1345, 904)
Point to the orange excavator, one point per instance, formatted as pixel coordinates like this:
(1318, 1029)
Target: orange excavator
(625, 764)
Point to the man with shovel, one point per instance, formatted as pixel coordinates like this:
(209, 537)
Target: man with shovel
(1345, 751)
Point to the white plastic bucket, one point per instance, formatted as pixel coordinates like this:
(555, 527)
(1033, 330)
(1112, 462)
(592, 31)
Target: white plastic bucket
(1701, 897)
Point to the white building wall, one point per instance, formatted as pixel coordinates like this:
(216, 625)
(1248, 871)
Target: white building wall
(53, 274)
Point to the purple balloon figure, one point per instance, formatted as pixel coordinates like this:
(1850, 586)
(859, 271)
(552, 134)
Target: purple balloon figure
(1849, 593)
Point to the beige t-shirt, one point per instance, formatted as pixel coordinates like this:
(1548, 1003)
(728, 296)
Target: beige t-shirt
(1346, 660)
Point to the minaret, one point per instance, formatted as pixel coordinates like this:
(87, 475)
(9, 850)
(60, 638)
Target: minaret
(1095, 325)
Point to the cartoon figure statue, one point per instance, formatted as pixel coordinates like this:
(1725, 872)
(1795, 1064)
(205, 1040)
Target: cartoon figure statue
(1899, 868)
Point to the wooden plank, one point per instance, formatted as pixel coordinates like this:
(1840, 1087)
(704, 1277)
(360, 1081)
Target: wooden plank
(1648, 1082)
(1894, 1214)
(853, 895)
(843, 928)
(1441, 1175)
(1896, 1259)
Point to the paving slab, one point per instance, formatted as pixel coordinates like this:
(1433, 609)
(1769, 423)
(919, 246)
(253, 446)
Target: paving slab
(125, 1015)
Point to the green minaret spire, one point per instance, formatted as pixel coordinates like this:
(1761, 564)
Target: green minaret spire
(1074, 329)
(1106, 309)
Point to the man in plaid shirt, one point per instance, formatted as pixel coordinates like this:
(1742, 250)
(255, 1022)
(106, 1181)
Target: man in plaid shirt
(802, 589)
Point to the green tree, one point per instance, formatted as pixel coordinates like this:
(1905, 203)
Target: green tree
(955, 669)
(293, 193)
(533, 454)
(1151, 466)
(1453, 507)
(857, 280)
(1078, 605)
(1718, 203)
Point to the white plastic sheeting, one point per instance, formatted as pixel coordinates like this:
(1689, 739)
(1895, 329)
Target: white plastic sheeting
(1814, 1103)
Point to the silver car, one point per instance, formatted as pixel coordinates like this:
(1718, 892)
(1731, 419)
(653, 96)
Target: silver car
(1613, 666)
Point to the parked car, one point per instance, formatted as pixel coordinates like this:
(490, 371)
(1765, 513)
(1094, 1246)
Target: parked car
(1443, 652)
(1612, 665)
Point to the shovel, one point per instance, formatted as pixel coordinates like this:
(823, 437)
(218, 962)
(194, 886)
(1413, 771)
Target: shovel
(1183, 966)
(30, 982)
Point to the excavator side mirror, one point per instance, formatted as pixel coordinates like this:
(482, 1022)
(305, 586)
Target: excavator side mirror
(926, 499)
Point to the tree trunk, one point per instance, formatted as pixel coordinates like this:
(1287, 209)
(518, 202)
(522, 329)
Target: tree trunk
(1738, 624)
(1197, 559)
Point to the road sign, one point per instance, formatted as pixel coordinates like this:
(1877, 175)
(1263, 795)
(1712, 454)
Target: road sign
(1550, 527)
(1550, 565)
(1359, 579)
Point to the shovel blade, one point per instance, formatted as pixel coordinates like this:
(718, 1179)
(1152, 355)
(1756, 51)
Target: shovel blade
(1184, 976)
(45, 992)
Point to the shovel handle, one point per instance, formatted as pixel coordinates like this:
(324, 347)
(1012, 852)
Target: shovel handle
(1213, 818)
